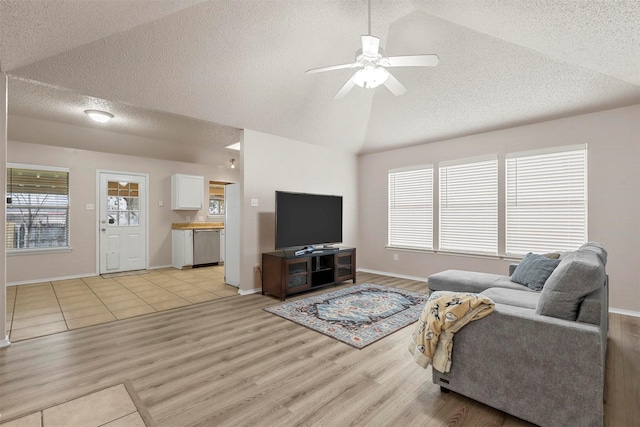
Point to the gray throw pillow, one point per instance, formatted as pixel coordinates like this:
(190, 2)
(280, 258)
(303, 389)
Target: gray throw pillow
(534, 270)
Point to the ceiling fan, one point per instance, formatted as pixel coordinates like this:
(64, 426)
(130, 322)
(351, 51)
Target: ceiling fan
(373, 66)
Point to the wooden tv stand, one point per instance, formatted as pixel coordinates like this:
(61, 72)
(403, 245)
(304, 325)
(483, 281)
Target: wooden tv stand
(284, 273)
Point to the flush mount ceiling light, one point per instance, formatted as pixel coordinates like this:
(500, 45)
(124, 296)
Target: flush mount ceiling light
(373, 66)
(99, 116)
(235, 146)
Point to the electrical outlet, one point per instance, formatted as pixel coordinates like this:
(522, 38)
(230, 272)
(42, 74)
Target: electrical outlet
(188, 218)
(395, 257)
(254, 202)
(160, 203)
(200, 219)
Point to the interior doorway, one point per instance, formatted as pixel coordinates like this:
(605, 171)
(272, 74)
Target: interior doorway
(224, 205)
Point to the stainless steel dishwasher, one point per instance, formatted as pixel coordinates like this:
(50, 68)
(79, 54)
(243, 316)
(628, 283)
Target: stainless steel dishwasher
(206, 246)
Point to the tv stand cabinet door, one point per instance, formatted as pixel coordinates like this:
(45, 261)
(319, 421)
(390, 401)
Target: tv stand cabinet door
(345, 266)
(296, 275)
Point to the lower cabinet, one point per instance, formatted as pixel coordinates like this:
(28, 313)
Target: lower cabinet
(200, 246)
(182, 248)
(287, 274)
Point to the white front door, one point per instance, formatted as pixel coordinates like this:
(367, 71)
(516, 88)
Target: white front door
(122, 222)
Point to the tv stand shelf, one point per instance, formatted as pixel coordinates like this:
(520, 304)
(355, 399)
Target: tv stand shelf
(284, 273)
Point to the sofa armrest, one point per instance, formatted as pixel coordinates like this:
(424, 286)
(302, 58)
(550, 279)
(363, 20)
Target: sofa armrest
(545, 370)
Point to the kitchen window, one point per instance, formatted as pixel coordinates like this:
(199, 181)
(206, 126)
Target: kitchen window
(216, 199)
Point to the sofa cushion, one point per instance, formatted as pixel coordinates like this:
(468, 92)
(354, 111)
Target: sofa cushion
(578, 274)
(469, 281)
(591, 307)
(513, 297)
(534, 270)
(597, 249)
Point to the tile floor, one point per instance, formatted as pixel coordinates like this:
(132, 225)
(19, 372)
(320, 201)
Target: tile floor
(46, 308)
(111, 407)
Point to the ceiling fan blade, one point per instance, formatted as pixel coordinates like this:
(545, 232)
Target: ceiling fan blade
(345, 89)
(370, 46)
(412, 61)
(394, 85)
(331, 68)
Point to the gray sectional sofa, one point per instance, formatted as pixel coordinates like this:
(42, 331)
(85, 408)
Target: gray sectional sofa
(540, 355)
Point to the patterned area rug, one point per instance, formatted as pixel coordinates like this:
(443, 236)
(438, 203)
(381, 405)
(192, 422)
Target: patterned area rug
(359, 315)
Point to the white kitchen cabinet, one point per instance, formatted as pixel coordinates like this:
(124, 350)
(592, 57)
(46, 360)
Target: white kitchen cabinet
(182, 248)
(187, 192)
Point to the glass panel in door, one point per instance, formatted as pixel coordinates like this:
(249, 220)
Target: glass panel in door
(123, 203)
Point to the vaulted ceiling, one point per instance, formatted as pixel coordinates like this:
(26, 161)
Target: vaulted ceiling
(197, 71)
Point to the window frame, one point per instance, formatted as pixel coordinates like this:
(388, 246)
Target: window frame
(481, 171)
(570, 165)
(428, 207)
(67, 208)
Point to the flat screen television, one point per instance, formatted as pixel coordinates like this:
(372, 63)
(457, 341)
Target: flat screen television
(307, 219)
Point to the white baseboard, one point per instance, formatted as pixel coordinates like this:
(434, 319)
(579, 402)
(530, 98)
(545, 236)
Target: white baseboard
(5, 342)
(249, 291)
(386, 273)
(624, 312)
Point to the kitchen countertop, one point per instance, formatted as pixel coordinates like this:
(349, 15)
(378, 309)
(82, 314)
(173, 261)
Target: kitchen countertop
(196, 225)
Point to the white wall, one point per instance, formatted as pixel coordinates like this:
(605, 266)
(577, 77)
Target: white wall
(613, 139)
(83, 165)
(271, 163)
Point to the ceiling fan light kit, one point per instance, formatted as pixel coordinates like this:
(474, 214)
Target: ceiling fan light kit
(371, 76)
(373, 66)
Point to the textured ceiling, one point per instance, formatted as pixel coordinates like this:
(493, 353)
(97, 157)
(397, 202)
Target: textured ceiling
(44, 102)
(32, 30)
(228, 65)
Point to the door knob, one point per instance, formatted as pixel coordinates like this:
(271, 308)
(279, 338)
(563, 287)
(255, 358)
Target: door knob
(103, 229)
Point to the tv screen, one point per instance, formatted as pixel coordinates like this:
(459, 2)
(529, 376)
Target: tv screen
(307, 219)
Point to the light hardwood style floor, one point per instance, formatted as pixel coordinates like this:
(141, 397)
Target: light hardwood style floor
(228, 362)
(50, 307)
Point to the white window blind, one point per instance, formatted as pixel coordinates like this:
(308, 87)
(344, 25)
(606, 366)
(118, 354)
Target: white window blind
(411, 207)
(546, 201)
(37, 207)
(469, 206)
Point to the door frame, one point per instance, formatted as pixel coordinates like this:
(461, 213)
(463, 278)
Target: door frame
(235, 264)
(146, 213)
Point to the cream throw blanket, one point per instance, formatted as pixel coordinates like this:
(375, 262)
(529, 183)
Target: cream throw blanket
(443, 315)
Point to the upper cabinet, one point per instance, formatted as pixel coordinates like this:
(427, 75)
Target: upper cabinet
(187, 192)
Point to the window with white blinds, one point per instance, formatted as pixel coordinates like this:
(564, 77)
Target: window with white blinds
(469, 206)
(37, 207)
(411, 207)
(546, 206)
